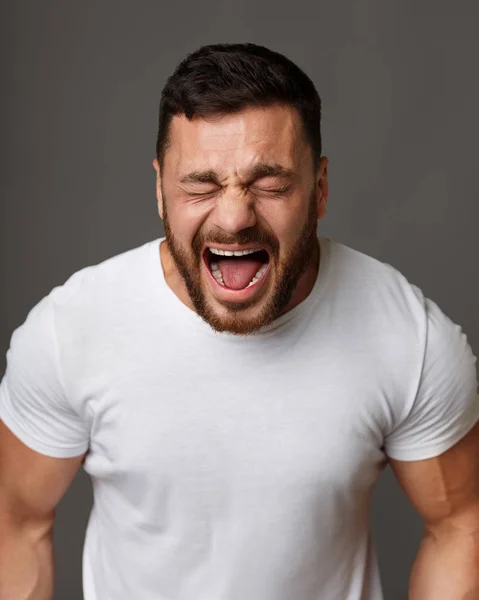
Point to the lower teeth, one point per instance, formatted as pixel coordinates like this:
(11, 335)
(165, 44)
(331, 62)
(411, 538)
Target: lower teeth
(219, 277)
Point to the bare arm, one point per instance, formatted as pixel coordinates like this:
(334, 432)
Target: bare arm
(445, 491)
(31, 485)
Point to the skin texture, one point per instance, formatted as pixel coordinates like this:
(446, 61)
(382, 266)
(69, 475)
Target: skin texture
(31, 485)
(235, 210)
(445, 492)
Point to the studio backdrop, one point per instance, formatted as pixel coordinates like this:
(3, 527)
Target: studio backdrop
(80, 90)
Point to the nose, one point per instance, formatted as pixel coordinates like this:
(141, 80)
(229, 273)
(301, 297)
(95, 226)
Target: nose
(235, 211)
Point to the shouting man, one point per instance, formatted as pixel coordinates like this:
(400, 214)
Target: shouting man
(235, 388)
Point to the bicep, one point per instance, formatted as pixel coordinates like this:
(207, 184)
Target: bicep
(444, 489)
(31, 484)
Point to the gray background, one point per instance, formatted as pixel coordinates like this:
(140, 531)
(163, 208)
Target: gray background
(81, 86)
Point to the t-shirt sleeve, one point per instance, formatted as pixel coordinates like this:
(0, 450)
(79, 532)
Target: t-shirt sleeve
(446, 404)
(33, 402)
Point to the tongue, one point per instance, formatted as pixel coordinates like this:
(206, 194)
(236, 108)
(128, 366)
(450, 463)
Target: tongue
(238, 273)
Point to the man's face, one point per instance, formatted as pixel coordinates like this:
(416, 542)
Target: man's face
(244, 180)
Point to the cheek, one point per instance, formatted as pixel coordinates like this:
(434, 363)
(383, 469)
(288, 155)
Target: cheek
(286, 225)
(184, 223)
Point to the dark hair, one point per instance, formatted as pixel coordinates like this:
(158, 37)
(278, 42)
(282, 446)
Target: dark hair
(226, 78)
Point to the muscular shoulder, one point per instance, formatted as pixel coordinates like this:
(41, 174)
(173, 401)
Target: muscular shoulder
(377, 289)
(96, 288)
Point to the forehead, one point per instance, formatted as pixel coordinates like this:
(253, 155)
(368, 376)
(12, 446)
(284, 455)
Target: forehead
(235, 142)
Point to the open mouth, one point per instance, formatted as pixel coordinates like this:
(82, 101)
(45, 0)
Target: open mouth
(237, 270)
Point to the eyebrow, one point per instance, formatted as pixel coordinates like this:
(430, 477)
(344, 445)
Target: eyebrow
(259, 171)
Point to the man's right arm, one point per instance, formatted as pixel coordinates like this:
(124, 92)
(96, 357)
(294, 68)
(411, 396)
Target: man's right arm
(31, 485)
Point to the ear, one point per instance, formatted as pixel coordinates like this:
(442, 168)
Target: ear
(322, 186)
(159, 195)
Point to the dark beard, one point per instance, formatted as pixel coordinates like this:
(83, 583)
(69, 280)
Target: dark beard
(294, 267)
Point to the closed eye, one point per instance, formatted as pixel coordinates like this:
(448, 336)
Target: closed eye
(282, 190)
(200, 194)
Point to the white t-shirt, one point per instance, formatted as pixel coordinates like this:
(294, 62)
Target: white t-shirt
(233, 468)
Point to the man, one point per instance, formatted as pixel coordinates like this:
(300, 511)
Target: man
(235, 388)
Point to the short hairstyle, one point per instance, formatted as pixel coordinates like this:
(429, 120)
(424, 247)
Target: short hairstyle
(221, 79)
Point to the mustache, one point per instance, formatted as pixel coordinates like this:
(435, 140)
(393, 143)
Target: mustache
(243, 238)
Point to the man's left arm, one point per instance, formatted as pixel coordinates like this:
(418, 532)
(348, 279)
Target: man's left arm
(445, 492)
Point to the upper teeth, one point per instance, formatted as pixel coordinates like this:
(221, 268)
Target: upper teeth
(233, 252)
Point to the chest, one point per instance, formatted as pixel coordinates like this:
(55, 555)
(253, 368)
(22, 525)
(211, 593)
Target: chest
(241, 423)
